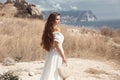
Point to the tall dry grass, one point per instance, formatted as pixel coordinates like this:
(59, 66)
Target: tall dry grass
(89, 43)
(113, 33)
(20, 39)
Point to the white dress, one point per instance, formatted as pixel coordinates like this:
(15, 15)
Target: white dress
(53, 60)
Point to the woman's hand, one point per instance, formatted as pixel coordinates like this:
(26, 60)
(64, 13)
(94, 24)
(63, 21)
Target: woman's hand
(64, 61)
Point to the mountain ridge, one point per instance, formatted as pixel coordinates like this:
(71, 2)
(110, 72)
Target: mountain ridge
(73, 16)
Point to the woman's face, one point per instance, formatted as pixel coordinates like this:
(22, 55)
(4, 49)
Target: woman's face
(57, 20)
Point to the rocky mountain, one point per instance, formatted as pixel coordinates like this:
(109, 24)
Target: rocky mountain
(73, 16)
(20, 8)
(1, 5)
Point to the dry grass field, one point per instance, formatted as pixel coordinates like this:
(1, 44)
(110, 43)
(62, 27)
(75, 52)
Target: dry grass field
(21, 38)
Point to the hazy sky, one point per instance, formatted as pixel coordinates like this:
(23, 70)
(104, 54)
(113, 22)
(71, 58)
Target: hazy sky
(103, 9)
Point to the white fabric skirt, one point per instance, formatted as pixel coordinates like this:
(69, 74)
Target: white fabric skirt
(53, 61)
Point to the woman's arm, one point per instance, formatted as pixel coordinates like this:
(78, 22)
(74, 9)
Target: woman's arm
(60, 50)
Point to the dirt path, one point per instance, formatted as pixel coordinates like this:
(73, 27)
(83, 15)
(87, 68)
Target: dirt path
(82, 69)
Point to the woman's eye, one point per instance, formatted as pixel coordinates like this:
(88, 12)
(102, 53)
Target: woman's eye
(57, 19)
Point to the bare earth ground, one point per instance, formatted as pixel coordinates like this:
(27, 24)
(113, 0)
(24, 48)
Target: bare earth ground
(82, 69)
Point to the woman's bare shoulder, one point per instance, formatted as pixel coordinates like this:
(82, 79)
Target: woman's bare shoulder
(56, 30)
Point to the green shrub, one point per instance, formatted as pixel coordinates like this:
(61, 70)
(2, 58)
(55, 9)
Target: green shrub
(9, 76)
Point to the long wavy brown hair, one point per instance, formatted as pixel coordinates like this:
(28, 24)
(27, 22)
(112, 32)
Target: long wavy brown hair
(47, 37)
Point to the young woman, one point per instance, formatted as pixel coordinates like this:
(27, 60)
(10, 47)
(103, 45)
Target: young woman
(52, 40)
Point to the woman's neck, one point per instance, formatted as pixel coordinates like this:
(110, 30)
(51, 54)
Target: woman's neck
(56, 29)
